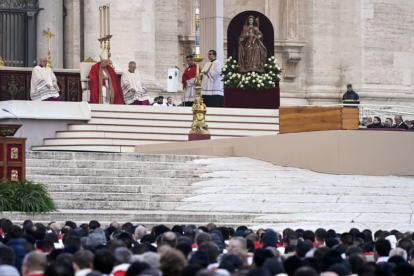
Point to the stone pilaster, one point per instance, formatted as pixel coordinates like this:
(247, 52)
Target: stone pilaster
(166, 40)
(51, 17)
(211, 29)
(72, 37)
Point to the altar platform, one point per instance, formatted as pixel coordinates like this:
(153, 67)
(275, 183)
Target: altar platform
(79, 126)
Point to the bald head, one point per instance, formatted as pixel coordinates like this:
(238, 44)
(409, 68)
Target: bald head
(43, 61)
(34, 261)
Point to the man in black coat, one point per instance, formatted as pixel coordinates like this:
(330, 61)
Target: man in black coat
(399, 123)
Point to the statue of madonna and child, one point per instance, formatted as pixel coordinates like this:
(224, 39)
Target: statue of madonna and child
(252, 52)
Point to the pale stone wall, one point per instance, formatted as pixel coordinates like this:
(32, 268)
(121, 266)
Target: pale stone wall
(388, 51)
(369, 43)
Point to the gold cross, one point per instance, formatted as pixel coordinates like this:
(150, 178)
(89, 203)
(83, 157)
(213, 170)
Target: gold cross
(49, 35)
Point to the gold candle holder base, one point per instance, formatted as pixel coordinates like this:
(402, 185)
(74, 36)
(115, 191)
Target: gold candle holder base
(199, 108)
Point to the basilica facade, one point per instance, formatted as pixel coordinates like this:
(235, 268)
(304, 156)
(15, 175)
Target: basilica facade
(321, 45)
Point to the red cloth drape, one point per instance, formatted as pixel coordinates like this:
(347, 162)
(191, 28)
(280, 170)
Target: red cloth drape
(189, 74)
(94, 84)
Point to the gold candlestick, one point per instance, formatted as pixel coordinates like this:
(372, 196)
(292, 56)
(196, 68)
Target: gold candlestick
(1, 60)
(199, 108)
(108, 37)
(49, 35)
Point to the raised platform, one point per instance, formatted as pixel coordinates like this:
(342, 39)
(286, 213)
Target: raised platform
(335, 152)
(119, 128)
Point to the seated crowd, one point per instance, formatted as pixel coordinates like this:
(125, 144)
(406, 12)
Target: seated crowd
(89, 249)
(388, 123)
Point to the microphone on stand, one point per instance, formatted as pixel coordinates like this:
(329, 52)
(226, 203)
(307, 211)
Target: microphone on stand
(176, 67)
(5, 110)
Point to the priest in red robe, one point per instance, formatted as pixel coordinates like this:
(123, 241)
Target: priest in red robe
(188, 80)
(105, 85)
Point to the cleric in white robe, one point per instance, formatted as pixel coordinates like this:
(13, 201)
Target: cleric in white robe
(43, 86)
(134, 92)
(212, 87)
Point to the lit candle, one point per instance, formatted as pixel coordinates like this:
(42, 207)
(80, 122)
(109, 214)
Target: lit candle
(104, 21)
(197, 11)
(197, 50)
(100, 22)
(109, 32)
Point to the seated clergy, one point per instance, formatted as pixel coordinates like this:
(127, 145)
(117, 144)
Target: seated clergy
(105, 86)
(134, 92)
(43, 86)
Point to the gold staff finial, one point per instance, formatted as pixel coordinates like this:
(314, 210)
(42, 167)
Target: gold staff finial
(49, 35)
(1, 60)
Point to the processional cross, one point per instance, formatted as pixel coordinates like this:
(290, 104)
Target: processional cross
(49, 35)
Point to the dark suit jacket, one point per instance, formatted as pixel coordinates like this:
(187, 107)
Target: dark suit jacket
(403, 125)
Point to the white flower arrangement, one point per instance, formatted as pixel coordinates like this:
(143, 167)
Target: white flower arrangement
(232, 78)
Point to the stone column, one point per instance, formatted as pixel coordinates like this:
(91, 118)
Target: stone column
(133, 31)
(211, 29)
(51, 17)
(72, 45)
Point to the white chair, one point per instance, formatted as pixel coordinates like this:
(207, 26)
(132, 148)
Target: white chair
(85, 68)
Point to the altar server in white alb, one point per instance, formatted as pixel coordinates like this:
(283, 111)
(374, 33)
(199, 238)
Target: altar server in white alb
(134, 92)
(43, 86)
(212, 88)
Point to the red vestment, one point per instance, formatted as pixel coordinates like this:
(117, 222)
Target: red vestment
(188, 74)
(97, 81)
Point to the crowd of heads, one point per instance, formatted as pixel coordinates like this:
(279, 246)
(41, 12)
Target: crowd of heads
(71, 249)
(376, 122)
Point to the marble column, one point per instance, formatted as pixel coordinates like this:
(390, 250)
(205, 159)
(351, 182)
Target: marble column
(211, 29)
(133, 30)
(51, 17)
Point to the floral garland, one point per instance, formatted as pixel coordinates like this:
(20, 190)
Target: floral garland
(233, 79)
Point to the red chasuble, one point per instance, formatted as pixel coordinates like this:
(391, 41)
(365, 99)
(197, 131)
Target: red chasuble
(96, 78)
(188, 74)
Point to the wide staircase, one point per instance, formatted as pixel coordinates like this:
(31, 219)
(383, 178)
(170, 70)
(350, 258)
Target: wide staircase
(179, 189)
(119, 128)
(110, 187)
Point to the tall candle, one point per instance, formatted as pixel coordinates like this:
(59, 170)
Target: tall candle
(104, 21)
(197, 50)
(109, 29)
(100, 22)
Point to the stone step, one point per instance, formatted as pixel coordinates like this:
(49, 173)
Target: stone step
(97, 188)
(183, 124)
(166, 130)
(177, 217)
(113, 173)
(116, 197)
(57, 155)
(115, 181)
(186, 117)
(115, 205)
(296, 207)
(110, 164)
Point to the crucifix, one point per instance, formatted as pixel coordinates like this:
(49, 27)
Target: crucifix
(1, 60)
(49, 35)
